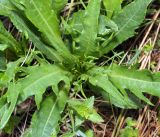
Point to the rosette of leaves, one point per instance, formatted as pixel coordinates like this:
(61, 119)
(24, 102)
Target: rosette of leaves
(66, 52)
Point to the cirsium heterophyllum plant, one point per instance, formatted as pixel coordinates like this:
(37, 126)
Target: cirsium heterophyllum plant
(65, 53)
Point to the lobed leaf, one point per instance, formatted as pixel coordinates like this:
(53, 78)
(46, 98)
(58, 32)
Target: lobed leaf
(45, 120)
(40, 13)
(108, 90)
(127, 21)
(10, 72)
(118, 82)
(87, 38)
(38, 79)
(23, 25)
(85, 109)
(136, 81)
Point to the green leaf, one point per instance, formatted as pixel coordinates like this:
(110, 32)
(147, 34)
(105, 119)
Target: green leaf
(87, 39)
(130, 122)
(40, 13)
(129, 132)
(127, 20)
(12, 96)
(85, 109)
(5, 7)
(106, 26)
(34, 84)
(58, 5)
(3, 47)
(55, 48)
(26, 133)
(39, 78)
(1, 73)
(68, 134)
(80, 133)
(107, 89)
(87, 35)
(7, 39)
(75, 24)
(45, 120)
(12, 123)
(10, 72)
(125, 87)
(112, 7)
(23, 25)
(3, 105)
(89, 133)
(3, 62)
(138, 82)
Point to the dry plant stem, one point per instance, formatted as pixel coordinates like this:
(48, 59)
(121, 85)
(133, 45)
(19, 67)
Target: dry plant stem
(145, 61)
(143, 43)
(147, 58)
(132, 45)
(121, 123)
(144, 56)
(71, 5)
(158, 66)
(104, 130)
(141, 117)
(101, 101)
(144, 39)
(156, 36)
(25, 123)
(143, 66)
(120, 119)
(154, 134)
(30, 48)
(147, 117)
(74, 4)
(83, 4)
(149, 29)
